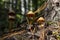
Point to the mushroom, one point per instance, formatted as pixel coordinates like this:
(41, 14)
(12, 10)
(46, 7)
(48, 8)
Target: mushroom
(41, 20)
(11, 15)
(30, 14)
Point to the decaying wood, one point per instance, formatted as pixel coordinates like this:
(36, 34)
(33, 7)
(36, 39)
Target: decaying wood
(12, 34)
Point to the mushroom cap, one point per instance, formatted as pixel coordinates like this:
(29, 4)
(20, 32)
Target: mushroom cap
(41, 19)
(30, 14)
(11, 16)
(12, 13)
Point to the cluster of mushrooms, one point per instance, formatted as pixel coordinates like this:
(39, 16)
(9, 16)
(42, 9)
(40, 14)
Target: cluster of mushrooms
(40, 20)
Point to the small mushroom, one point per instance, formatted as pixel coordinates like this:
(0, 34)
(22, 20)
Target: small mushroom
(30, 14)
(41, 20)
(11, 15)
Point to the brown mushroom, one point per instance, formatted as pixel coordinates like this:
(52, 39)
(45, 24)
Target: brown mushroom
(30, 14)
(11, 15)
(41, 20)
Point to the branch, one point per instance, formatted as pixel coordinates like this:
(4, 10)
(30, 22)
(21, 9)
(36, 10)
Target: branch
(41, 8)
(12, 34)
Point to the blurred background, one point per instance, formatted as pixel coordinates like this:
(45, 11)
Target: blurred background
(51, 14)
